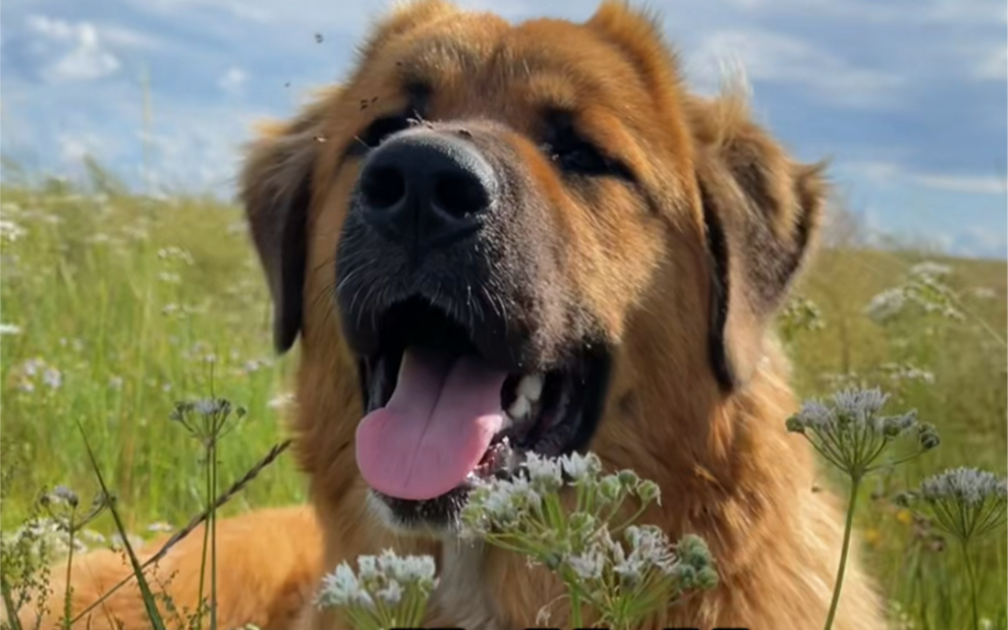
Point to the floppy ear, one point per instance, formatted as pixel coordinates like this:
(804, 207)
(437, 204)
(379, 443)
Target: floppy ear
(762, 212)
(275, 188)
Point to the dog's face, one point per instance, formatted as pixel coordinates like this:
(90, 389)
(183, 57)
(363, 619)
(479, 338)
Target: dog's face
(486, 221)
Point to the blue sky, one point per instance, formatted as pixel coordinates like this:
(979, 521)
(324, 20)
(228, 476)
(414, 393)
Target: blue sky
(908, 97)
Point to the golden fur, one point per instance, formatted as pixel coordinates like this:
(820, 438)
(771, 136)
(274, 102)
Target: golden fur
(727, 468)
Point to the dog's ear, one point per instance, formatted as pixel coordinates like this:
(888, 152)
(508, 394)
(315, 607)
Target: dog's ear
(275, 188)
(762, 212)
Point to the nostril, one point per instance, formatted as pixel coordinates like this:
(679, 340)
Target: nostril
(382, 187)
(460, 195)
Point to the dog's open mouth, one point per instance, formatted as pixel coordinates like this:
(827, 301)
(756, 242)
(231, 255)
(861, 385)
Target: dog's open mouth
(440, 417)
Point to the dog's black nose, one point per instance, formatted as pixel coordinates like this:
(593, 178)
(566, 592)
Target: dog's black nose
(425, 189)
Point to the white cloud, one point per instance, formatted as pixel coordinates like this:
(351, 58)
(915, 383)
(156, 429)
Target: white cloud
(245, 9)
(233, 80)
(74, 148)
(977, 241)
(945, 12)
(994, 65)
(52, 28)
(928, 12)
(975, 184)
(890, 173)
(87, 58)
(775, 57)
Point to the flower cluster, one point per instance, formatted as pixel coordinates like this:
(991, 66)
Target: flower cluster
(36, 372)
(207, 420)
(626, 581)
(966, 502)
(923, 290)
(622, 571)
(387, 591)
(530, 502)
(800, 314)
(62, 505)
(851, 433)
(902, 372)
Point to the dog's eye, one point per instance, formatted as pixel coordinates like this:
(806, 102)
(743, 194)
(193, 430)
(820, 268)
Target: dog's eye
(576, 156)
(377, 131)
(580, 157)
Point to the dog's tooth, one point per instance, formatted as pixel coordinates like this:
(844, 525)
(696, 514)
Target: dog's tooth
(519, 408)
(531, 387)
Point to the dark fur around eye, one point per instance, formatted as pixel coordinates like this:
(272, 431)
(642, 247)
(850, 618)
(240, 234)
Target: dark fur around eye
(376, 132)
(576, 156)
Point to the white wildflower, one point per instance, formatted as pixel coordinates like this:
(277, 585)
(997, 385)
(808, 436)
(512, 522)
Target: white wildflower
(174, 253)
(392, 594)
(930, 269)
(886, 305)
(10, 231)
(543, 617)
(860, 406)
(388, 590)
(31, 367)
(589, 565)
(649, 546)
(211, 406)
(10, 329)
(160, 526)
(342, 588)
(92, 537)
(581, 467)
(52, 377)
(281, 401)
(65, 495)
(408, 569)
(968, 503)
(800, 314)
(904, 372)
(922, 289)
(968, 486)
(545, 475)
(851, 433)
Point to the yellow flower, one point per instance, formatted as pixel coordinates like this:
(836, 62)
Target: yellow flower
(904, 516)
(872, 536)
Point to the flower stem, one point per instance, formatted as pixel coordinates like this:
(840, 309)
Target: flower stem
(848, 527)
(972, 582)
(212, 453)
(205, 549)
(67, 601)
(575, 609)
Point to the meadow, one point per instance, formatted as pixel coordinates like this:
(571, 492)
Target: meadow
(114, 306)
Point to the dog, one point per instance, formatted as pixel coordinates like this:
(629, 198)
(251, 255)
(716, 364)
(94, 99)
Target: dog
(536, 232)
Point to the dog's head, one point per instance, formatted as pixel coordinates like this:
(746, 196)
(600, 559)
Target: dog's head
(503, 228)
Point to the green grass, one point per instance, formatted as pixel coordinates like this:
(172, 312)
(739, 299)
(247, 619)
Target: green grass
(127, 304)
(136, 303)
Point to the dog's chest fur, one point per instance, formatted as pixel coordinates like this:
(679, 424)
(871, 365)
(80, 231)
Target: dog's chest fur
(462, 599)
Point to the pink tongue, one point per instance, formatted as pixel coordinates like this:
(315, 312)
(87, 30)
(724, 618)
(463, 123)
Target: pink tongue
(435, 429)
